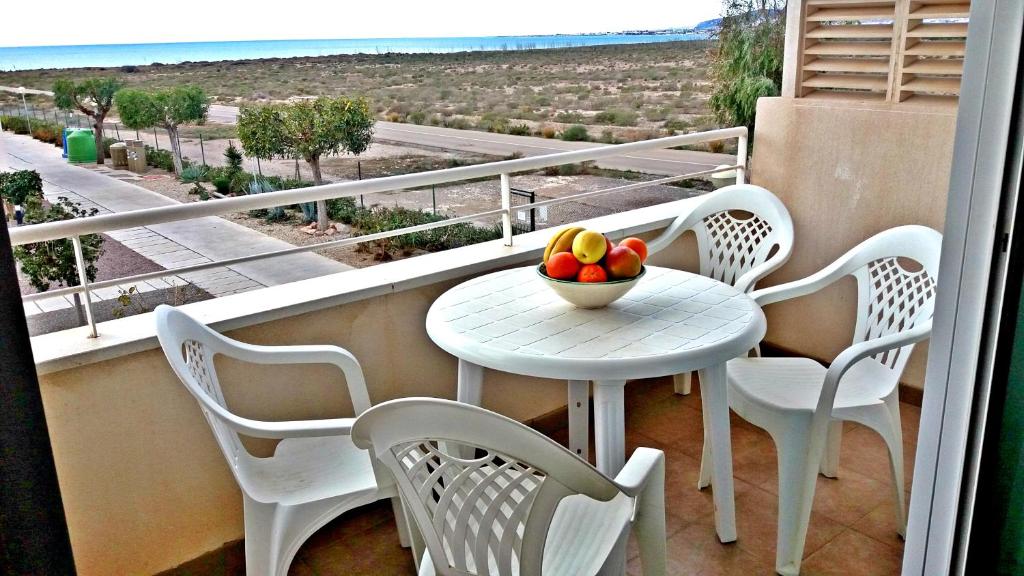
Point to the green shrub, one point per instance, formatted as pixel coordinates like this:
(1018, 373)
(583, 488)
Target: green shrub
(240, 182)
(16, 187)
(492, 122)
(519, 130)
(569, 117)
(106, 146)
(457, 122)
(417, 117)
(576, 133)
(262, 186)
(233, 157)
(676, 125)
(616, 118)
(194, 173)
(222, 184)
(161, 159)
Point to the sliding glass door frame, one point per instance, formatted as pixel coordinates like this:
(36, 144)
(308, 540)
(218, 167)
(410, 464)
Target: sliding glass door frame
(979, 231)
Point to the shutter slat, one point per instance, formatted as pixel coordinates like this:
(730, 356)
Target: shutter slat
(863, 65)
(872, 31)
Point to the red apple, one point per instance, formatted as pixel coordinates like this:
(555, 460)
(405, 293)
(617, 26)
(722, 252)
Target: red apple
(623, 262)
(563, 266)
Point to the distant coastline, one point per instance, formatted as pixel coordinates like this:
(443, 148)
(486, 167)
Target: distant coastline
(111, 55)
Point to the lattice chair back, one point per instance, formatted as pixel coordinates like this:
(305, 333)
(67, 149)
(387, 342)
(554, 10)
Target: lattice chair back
(896, 272)
(190, 348)
(488, 513)
(744, 233)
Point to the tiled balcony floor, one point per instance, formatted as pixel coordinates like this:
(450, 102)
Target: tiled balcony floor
(852, 531)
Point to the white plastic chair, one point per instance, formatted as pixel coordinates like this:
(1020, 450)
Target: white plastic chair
(518, 503)
(315, 474)
(738, 251)
(802, 405)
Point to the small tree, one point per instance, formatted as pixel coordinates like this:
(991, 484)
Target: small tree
(93, 97)
(748, 63)
(308, 129)
(45, 263)
(16, 187)
(167, 109)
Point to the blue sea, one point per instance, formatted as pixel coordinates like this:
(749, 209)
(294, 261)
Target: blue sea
(104, 55)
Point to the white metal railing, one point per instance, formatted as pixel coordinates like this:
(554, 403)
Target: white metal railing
(74, 229)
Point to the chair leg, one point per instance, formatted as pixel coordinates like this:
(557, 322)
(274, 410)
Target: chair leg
(579, 418)
(894, 442)
(797, 476)
(704, 480)
(262, 539)
(830, 459)
(650, 525)
(401, 522)
(683, 383)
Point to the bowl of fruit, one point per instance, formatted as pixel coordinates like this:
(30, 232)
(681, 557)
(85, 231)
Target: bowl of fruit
(586, 269)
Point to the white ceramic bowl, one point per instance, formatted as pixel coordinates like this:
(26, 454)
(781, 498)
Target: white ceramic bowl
(590, 294)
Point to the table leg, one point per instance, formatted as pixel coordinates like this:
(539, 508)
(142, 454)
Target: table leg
(579, 418)
(471, 380)
(714, 391)
(610, 425)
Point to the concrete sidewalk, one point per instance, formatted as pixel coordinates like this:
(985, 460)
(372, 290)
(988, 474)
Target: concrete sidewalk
(171, 245)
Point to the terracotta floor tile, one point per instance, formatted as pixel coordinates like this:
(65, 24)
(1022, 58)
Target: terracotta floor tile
(880, 524)
(852, 528)
(864, 451)
(853, 554)
(696, 550)
(373, 552)
(757, 523)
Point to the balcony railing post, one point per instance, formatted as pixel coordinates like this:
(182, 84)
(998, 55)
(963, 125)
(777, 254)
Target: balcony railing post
(83, 280)
(741, 159)
(506, 206)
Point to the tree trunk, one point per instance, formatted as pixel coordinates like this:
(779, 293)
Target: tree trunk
(97, 129)
(321, 205)
(172, 134)
(79, 308)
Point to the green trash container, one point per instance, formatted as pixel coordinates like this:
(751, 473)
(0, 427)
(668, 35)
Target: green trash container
(81, 147)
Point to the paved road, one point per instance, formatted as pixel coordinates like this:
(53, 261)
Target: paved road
(665, 162)
(171, 245)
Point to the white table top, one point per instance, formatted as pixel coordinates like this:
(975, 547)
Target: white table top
(671, 322)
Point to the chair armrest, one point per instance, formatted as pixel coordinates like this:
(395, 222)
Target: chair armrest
(642, 466)
(289, 428)
(745, 283)
(861, 350)
(313, 354)
(847, 358)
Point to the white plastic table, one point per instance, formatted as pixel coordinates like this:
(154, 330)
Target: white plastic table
(670, 323)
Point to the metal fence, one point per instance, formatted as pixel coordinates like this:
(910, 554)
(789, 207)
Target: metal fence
(74, 229)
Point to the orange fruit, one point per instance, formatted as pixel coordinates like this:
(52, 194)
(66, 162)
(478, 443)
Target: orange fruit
(592, 273)
(638, 246)
(563, 266)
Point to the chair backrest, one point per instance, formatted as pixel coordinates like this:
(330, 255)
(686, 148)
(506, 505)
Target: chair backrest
(731, 246)
(190, 347)
(481, 488)
(896, 271)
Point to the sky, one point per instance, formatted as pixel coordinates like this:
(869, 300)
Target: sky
(212, 20)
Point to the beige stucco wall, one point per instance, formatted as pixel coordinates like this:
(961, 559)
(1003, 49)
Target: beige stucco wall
(145, 486)
(846, 171)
